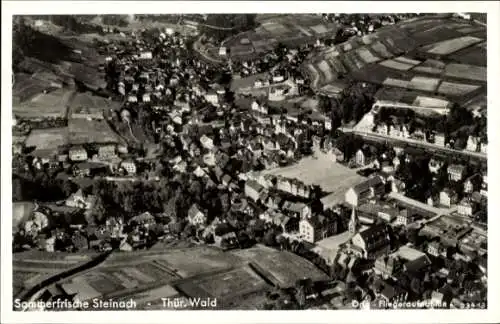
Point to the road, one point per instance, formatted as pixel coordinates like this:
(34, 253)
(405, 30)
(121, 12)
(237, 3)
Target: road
(429, 146)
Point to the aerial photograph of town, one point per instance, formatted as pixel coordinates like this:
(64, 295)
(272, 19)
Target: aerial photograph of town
(263, 161)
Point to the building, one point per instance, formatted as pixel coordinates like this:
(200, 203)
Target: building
(318, 227)
(298, 210)
(368, 189)
(373, 241)
(212, 98)
(447, 197)
(129, 166)
(107, 151)
(436, 249)
(206, 142)
(195, 216)
(338, 155)
(77, 153)
(467, 207)
(456, 172)
(253, 190)
(484, 148)
(146, 55)
(406, 217)
(472, 143)
(472, 183)
(439, 140)
(79, 200)
(222, 51)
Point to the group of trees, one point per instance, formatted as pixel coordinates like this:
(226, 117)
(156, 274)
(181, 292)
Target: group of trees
(355, 102)
(221, 26)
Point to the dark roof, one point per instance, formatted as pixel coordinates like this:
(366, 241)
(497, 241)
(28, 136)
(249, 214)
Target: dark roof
(374, 235)
(371, 182)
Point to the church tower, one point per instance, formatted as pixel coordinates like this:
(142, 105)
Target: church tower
(353, 222)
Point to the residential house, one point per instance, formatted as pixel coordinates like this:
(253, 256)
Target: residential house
(472, 183)
(299, 210)
(226, 180)
(79, 200)
(435, 165)
(388, 265)
(226, 241)
(129, 166)
(368, 189)
(338, 155)
(447, 197)
(472, 143)
(212, 98)
(77, 153)
(360, 158)
(373, 241)
(317, 227)
(86, 169)
(456, 172)
(132, 99)
(398, 186)
(145, 219)
(406, 217)
(484, 185)
(253, 190)
(484, 148)
(286, 223)
(435, 248)
(107, 151)
(207, 142)
(439, 140)
(196, 216)
(467, 207)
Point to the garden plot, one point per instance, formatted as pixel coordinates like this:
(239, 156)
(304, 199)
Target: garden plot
(452, 45)
(424, 83)
(456, 89)
(465, 71)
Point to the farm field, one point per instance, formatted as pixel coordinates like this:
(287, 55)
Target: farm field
(51, 105)
(84, 131)
(47, 139)
(283, 268)
(228, 287)
(86, 104)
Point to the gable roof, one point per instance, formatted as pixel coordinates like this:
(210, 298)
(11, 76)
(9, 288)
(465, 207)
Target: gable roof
(369, 183)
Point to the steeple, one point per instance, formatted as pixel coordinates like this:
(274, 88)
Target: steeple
(353, 222)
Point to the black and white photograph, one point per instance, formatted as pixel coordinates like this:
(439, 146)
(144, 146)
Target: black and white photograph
(232, 161)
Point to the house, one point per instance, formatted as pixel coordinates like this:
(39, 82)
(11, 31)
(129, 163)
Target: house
(299, 210)
(212, 98)
(129, 166)
(406, 217)
(472, 143)
(222, 51)
(338, 155)
(360, 158)
(196, 216)
(146, 55)
(484, 185)
(456, 172)
(226, 180)
(132, 98)
(86, 169)
(467, 207)
(388, 265)
(435, 165)
(79, 200)
(145, 219)
(226, 241)
(373, 241)
(207, 142)
(447, 197)
(107, 151)
(365, 190)
(398, 186)
(253, 189)
(436, 249)
(484, 148)
(439, 139)
(146, 97)
(318, 227)
(472, 183)
(77, 153)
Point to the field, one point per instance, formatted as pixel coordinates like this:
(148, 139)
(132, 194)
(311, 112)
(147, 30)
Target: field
(464, 71)
(47, 139)
(282, 268)
(227, 287)
(53, 104)
(84, 131)
(456, 89)
(329, 175)
(452, 45)
(86, 104)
